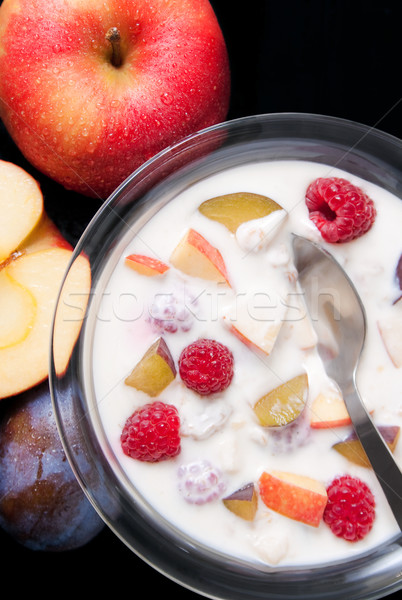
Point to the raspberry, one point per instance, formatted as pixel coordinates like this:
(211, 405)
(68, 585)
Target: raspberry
(200, 482)
(172, 312)
(206, 366)
(339, 209)
(151, 433)
(350, 510)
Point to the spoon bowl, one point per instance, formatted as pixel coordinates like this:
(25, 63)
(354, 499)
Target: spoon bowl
(339, 319)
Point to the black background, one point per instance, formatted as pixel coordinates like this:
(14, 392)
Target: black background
(330, 57)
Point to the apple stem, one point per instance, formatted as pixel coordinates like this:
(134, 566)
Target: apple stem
(113, 36)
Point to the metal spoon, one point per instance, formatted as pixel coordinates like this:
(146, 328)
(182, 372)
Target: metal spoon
(339, 319)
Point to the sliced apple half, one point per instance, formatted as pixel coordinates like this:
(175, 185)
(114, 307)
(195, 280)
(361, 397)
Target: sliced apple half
(352, 449)
(17, 311)
(294, 496)
(234, 209)
(284, 404)
(155, 371)
(21, 207)
(195, 256)
(390, 328)
(45, 235)
(146, 265)
(243, 502)
(33, 280)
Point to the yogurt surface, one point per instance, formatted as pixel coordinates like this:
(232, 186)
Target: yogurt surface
(223, 429)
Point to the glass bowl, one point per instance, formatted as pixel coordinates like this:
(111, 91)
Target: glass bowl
(368, 153)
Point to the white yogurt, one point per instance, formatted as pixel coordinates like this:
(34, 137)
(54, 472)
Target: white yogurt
(224, 429)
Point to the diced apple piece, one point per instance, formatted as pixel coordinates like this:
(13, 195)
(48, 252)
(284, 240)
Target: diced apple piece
(257, 327)
(145, 265)
(284, 404)
(243, 502)
(390, 328)
(295, 496)
(234, 209)
(195, 256)
(328, 409)
(21, 206)
(155, 371)
(352, 449)
(299, 325)
(39, 275)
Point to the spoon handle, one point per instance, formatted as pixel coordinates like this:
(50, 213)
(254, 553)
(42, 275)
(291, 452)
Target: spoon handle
(383, 463)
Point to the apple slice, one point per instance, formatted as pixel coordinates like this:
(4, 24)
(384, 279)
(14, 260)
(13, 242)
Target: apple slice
(390, 328)
(34, 279)
(284, 404)
(21, 206)
(45, 235)
(328, 409)
(234, 209)
(145, 265)
(195, 256)
(243, 502)
(17, 311)
(295, 496)
(352, 449)
(257, 327)
(155, 371)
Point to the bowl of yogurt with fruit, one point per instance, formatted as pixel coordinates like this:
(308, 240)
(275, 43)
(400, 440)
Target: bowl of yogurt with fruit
(214, 443)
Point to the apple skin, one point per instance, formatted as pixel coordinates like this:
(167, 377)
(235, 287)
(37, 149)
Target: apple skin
(88, 124)
(42, 505)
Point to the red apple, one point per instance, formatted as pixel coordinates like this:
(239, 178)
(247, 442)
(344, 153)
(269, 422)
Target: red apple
(91, 90)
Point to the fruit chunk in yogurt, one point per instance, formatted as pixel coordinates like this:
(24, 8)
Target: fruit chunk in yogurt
(258, 455)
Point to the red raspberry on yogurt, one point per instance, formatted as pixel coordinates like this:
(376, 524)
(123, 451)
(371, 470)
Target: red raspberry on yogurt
(340, 210)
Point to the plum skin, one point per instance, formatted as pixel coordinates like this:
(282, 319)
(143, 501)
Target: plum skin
(42, 505)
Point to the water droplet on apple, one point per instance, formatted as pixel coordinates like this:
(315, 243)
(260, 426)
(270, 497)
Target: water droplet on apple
(57, 48)
(166, 98)
(84, 132)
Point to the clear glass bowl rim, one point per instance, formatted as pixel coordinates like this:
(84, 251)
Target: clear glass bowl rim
(202, 572)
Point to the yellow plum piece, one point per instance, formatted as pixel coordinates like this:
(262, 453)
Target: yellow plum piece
(234, 209)
(243, 502)
(284, 404)
(155, 371)
(352, 449)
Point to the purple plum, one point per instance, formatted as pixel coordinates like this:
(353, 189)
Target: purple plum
(42, 505)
